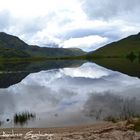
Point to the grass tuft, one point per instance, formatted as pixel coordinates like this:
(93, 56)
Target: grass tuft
(22, 118)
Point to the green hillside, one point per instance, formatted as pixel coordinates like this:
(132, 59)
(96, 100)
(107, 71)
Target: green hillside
(127, 47)
(12, 53)
(36, 51)
(13, 47)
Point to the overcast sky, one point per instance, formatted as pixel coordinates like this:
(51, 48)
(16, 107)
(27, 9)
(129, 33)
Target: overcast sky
(86, 24)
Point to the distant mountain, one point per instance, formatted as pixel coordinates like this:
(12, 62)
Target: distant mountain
(127, 47)
(37, 51)
(13, 47)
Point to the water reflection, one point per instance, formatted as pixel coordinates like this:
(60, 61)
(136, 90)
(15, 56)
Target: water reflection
(68, 96)
(13, 72)
(108, 105)
(126, 66)
(23, 118)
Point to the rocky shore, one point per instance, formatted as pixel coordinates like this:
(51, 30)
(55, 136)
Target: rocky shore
(100, 131)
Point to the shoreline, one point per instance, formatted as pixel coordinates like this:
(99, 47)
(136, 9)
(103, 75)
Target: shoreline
(99, 131)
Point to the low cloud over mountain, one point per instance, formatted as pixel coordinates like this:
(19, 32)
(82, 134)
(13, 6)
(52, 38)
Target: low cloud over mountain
(73, 23)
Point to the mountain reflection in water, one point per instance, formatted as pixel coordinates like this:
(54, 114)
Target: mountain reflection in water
(14, 72)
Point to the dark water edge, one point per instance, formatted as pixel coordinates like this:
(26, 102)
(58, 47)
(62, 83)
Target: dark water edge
(13, 72)
(123, 65)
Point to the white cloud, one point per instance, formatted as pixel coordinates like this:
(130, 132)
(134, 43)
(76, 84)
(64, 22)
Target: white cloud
(70, 23)
(32, 8)
(85, 43)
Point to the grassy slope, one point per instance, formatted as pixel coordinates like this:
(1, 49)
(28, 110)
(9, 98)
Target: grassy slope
(121, 48)
(11, 47)
(12, 53)
(36, 51)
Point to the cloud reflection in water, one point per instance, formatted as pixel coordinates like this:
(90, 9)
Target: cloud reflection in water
(61, 97)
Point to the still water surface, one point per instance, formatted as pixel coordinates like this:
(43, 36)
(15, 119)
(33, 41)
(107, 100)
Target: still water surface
(64, 94)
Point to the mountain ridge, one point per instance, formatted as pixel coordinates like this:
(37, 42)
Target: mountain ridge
(123, 48)
(13, 47)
